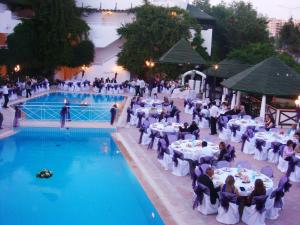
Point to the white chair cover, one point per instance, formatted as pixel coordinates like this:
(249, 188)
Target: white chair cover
(249, 146)
(182, 169)
(271, 212)
(204, 123)
(295, 176)
(282, 164)
(188, 110)
(146, 138)
(263, 155)
(236, 138)
(225, 134)
(252, 217)
(273, 157)
(232, 216)
(167, 162)
(206, 207)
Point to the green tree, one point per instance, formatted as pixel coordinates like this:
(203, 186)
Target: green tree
(289, 38)
(54, 37)
(154, 31)
(253, 53)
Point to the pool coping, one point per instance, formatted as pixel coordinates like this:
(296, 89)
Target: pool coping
(163, 206)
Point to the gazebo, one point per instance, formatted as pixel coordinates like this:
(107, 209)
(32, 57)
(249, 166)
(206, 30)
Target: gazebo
(183, 53)
(269, 77)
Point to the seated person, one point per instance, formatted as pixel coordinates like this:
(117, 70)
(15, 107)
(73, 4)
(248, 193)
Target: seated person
(288, 149)
(185, 128)
(173, 111)
(166, 101)
(155, 96)
(224, 108)
(196, 110)
(206, 179)
(205, 111)
(234, 111)
(223, 151)
(205, 151)
(269, 122)
(259, 189)
(229, 186)
(193, 127)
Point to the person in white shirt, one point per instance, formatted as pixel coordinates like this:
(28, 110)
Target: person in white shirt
(137, 87)
(142, 87)
(1, 114)
(214, 114)
(5, 93)
(205, 111)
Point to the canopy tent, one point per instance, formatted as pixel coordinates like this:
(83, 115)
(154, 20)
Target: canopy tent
(227, 68)
(269, 77)
(182, 53)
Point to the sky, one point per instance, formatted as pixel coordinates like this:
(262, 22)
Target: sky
(280, 9)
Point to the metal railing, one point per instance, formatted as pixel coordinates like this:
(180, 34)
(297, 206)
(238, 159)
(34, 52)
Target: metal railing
(51, 112)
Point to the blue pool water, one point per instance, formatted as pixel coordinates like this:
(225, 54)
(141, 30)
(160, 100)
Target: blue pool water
(92, 183)
(47, 107)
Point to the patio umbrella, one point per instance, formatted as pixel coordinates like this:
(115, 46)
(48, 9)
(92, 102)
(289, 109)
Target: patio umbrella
(269, 77)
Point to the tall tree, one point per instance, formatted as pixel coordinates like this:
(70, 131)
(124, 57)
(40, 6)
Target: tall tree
(289, 38)
(154, 31)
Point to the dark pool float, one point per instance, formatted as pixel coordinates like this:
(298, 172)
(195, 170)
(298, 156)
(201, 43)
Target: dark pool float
(44, 174)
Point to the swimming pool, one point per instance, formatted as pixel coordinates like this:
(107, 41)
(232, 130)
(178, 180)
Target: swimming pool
(83, 107)
(92, 183)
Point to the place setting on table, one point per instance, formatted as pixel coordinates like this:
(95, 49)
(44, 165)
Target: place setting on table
(149, 110)
(192, 149)
(166, 127)
(244, 123)
(151, 101)
(244, 179)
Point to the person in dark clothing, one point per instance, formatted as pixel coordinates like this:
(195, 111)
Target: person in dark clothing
(113, 113)
(205, 179)
(28, 88)
(185, 128)
(173, 111)
(223, 151)
(259, 189)
(193, 127)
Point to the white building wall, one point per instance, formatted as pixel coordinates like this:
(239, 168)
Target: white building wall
(207, 37)
(7, 21)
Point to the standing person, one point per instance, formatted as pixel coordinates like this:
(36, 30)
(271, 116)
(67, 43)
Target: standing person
(5, 93)
(214, 113)
(137, 87)
(63, 113)
(17, 116)
(1, 114)
(113, 113)
(68, 112)
(28, 88)
(142, 87)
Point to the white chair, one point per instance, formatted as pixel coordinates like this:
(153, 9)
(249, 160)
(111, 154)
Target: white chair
(146, 137)
(249, 146)
(272, 213)
(273, 157)
(166, 162)
(204, 123)
(182, 168)
(295, 176)
(206, 207)
(225, 134)
(282, 164)
(231, 216)
(252, 217)
(263, 154)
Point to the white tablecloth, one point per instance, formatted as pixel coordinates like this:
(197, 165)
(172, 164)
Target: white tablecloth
(166, 127)
(148, 110)
(244, 175)
(151, 101)
(177, 93)
(192, 149)
(243, 123)
(270, 137)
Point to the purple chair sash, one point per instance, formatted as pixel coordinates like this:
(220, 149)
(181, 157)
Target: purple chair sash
(293, 162)
(222, 122)
(230, 155)
(275, 146)
(177, 115)
(177, 155)
(278, 194)
(284, 183)
(152, 136)
(234, 128)
(259, 202)
(143, 130)
(140, 116)
(129, 113)
(162, 148)
(225, 198)
(259, 144)
(200, 190)
(206, 160)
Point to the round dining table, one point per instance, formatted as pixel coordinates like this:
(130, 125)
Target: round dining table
(165, 127)
(244, 123)
(270, 137)
(244, 179)
(151, 101)
(192, 149)
(149, 110)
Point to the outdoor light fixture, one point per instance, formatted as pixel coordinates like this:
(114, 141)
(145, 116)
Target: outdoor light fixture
(150, 63)
(297, 102)
(173, 13)
(84, 67)
(216, 67)
(17, 68)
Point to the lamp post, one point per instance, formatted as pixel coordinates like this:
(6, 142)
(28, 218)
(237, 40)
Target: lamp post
(83, 69)
(17, 68)
(150, 64)
(297, 103)
(216, 67)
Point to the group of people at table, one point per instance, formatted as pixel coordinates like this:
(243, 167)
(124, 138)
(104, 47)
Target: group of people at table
(180, 151)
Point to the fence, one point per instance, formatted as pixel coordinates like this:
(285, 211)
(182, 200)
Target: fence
(51, 112)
